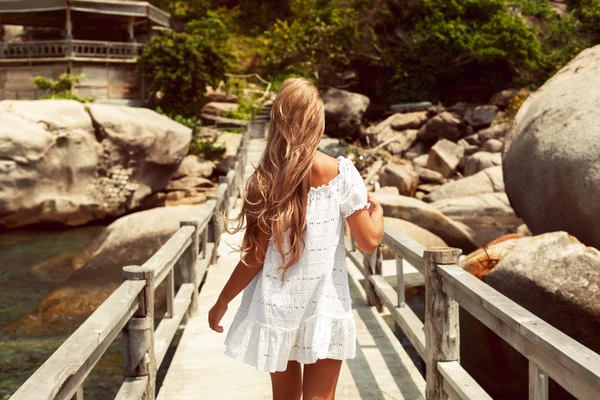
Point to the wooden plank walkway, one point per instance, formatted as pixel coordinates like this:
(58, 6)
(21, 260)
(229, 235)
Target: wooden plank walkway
(381, 370)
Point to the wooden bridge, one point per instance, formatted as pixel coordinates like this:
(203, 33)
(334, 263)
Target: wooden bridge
(197, 260)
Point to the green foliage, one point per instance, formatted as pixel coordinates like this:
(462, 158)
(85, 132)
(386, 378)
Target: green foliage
(61, 88)
(245, 111)
(449, 40)
(320, 40)
(587, 13)
(180, 66)
(535, 8)
(194, 123)
(206, 148)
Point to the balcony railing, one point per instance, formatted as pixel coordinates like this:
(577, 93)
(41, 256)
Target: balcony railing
(67, 49)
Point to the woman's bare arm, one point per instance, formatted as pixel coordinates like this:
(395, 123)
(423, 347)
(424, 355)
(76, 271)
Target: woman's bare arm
(366, 226)
(241, 276)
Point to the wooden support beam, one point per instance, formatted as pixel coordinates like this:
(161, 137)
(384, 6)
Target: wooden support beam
(372, 263)
(400, 281)
(188, 264)
(538, 383)
(138, 338)
(442, 335)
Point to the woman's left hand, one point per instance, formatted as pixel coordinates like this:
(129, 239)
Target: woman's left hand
(215, 315)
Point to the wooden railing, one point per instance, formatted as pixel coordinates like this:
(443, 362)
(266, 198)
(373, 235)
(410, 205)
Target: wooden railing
(551, 353)
(70, 48)
(130, 309)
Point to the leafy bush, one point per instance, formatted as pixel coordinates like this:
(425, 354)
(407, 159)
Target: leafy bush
(206, 148)
(61, 88)
(179, 66)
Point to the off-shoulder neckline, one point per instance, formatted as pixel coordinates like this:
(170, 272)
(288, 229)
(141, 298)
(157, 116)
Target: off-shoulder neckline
(332, 181)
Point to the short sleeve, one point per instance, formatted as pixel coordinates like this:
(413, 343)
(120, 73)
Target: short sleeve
(353, 193)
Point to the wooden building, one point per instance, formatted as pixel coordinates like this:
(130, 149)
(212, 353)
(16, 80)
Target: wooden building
(99, 38)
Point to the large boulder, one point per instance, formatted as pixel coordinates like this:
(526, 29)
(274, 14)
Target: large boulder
(67, 163)
(551, 157)
(445, 125)
(487, 181)
(343, 112)
(553, 276)
(130, 240)
(489, 215)
(403, 177)
(427, 217)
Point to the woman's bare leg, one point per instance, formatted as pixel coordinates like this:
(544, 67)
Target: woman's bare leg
(287, 385)
(320, 379)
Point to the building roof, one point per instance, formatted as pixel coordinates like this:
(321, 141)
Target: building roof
(52, 12)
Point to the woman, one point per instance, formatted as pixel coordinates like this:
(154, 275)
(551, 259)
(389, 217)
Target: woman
(296, 306)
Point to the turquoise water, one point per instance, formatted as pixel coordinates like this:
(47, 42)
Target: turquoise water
(32, 264)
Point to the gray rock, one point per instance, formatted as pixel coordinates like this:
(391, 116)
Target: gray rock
(556, 278)
(470, 150)
(492, 146)
(444, 157)
(401, 176)
(473, 140)
(425, 188)
(395, 142)
(497, 131)
(333, 147)
(443, 126)
(421, 160)
(219, 109)
(428, 175)
(343, 112)
(551, 162)
(415, 232)
(193, 165)
(389, 190)
(399, 122)
(418, 149)
(486, 181)
(481, 116)
(489, 215)
(427, 217)
(66, 163)
(502, 99)
(480, 161)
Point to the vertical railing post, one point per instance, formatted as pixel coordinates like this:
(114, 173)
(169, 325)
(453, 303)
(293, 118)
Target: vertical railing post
(442, 338)
(138, 336)
(188, 261)
(400, 281)
(538, 383)
(373, 266)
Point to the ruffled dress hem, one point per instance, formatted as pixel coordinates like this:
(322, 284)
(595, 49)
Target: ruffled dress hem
(270, 348)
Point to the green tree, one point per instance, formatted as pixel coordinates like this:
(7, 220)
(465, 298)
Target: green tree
(179, 66)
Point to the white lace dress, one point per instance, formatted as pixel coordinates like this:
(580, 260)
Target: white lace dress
(309, 317)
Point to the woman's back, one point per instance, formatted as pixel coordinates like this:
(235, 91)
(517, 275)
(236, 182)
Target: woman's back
(308, 315)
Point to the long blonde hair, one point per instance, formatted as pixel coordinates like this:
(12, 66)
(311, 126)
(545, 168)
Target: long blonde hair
(277, 192)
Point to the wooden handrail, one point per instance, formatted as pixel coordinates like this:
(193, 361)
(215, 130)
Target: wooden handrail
(551, 353)
(130, 309)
